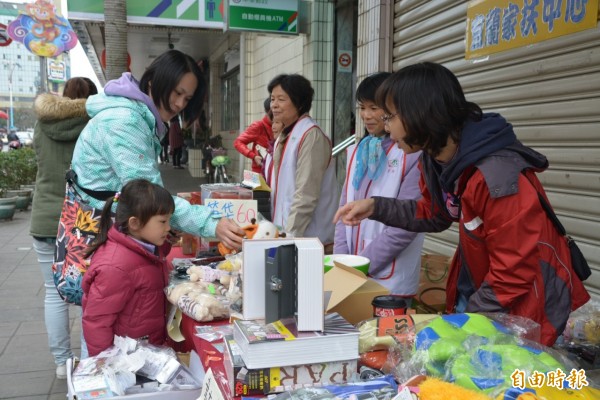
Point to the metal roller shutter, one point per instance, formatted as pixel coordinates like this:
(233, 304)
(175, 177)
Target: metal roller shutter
(549, 91)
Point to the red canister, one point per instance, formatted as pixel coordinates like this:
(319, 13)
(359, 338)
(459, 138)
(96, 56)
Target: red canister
(384, 306)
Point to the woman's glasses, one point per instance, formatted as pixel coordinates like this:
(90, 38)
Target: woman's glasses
(386, 118)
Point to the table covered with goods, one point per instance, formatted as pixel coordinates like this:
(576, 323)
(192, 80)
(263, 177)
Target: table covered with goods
(242, 342)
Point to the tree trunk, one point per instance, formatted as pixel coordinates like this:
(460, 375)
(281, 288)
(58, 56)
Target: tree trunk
(115, 38)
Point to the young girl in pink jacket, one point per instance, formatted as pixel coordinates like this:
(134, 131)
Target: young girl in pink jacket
(123, 287)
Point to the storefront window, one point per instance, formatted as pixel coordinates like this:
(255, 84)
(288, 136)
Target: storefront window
(230, 89)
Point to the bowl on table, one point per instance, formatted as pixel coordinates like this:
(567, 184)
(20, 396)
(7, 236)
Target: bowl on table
(358, 262)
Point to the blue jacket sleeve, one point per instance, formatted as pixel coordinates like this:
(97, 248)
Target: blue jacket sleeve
(132, 151)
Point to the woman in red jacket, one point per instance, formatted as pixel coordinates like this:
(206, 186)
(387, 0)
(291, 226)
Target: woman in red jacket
(475, 172)
(259, 133)
(123, 287)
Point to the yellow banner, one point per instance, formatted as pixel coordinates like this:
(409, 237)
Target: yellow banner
(499, 25)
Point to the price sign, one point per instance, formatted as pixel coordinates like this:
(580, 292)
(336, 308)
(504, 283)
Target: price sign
(241, 211)
(255, 181)
(210, 388)
(251, 179)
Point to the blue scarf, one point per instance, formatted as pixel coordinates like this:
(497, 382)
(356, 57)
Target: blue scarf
(370, 160)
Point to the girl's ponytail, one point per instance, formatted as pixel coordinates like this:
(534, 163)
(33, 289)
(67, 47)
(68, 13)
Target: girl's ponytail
(106, 222)
(139, 198)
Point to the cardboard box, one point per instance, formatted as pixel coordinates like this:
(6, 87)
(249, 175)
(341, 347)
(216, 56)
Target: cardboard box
(431, 295)
(350, 293)
(176, 394)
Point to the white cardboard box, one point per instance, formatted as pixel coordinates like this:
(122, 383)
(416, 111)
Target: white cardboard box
(176, 395)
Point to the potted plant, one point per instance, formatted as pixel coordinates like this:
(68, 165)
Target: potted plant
(17, 167)
(7, 204)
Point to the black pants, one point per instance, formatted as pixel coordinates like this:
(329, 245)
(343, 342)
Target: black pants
(164, 153)
(177, 156)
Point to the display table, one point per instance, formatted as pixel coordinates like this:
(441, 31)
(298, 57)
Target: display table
(209, 355)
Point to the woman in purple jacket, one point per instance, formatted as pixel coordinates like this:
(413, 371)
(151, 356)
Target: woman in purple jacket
(377, 167)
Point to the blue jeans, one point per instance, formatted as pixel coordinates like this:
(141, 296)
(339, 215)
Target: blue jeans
(56, 311)
(461, 304)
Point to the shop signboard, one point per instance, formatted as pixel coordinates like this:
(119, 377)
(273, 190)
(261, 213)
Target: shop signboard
(498, 25)
(276, 16)
(183, 13)
(57, 71)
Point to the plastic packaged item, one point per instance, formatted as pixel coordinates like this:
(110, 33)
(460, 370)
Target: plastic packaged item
(385, 332)
(212, 333)
(583, 325)
(130, 366)
(206, 292)
(381, 388)
(200, 301)
(476, 352)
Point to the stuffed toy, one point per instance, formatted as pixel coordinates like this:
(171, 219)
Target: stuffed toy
(203, 306)
(199, 300)
(262, 230)
(221, 273)
(204, 273)
(210, 292)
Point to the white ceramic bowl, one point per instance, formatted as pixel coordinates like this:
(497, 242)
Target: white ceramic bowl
(359, 262)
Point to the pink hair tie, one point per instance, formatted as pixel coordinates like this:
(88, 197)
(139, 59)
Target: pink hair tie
(116, 197)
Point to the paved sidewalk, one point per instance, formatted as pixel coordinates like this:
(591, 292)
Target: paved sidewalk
(27, 370)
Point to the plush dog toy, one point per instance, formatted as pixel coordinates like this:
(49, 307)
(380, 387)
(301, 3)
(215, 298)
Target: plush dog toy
(261, 230)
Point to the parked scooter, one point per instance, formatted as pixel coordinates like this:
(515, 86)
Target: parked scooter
(14, 145)
(220, 159)
(13, 141)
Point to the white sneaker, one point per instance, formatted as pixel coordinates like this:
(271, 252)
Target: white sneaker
(61, 372)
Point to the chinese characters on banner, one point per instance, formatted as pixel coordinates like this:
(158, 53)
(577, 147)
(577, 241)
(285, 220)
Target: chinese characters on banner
(277, 16)
(499, 25)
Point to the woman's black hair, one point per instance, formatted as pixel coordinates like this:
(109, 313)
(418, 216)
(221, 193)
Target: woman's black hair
(297, 87)
(368, 87)
(139, 198)
(430, 103)
(267, 105)
(79, 88)
(92, 85)
(164, 75)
